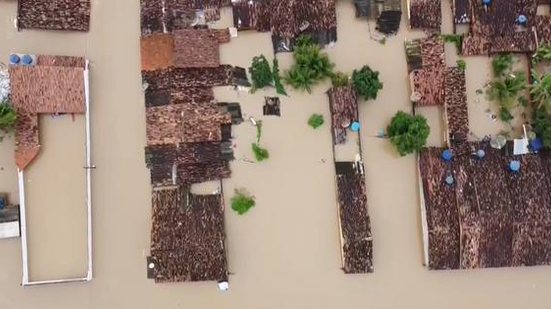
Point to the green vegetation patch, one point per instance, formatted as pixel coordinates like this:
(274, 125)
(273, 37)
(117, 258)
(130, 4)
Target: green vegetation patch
(8, 118)
(408, 133)
(366, 82)
(311, 65)
(242, 201)
(316, 121)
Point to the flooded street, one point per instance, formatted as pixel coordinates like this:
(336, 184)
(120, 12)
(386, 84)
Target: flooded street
(283, 254)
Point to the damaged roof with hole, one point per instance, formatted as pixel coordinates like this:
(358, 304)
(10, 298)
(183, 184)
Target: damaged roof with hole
(55, 85)
(70, 15)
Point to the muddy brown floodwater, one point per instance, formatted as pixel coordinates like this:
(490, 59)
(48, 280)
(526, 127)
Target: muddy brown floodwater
(285, 253)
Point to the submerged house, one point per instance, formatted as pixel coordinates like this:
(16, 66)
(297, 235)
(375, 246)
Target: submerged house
(387, 13)
(493, 29)
(287, 20)
(68, 15)
(354, 221)
(188, 140)
(51, 85)
(475, 212)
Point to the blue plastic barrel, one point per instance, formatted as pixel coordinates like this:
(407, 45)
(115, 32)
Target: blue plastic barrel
(447, 155)
(514, 166)
(27, 59)
(487, 2)
(14, 59)
(355, 126)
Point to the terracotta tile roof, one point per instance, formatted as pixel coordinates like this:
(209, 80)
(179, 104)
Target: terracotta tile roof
(502, 219)
(441, 211)
(54, 85)
(54, 14)
(456, 108)
(26, 138)
(425, 14)
(187, 237)
(493, 29)
(61, 61)
(157, 51)
(48, 89)
(184, 123)
(543, 27)
(426, 60)
(343, 103)
(196, 49)
(193, 77)
(355, 224)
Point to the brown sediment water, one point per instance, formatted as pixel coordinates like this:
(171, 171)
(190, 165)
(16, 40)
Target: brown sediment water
(55, 199)
(285, 252)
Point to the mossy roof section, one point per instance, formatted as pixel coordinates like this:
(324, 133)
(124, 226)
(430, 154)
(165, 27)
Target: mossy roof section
(70, 15)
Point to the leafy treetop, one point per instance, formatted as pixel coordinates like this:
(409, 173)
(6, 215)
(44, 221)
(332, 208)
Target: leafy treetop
(366, 82)
(408, 133)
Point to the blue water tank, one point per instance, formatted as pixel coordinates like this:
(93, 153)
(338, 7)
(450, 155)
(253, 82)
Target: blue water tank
(486, 2)
(355, 126)
(2, 203)
(27, 59)
(14, 59)
(522, 19)
(514, 166)
(447, 155)
(449, 180)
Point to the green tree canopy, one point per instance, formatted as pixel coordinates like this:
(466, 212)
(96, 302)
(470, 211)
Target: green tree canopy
(408, 133)
(366, 82)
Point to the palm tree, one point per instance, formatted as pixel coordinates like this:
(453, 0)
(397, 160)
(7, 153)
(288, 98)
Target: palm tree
(506, 91)
(541, 91)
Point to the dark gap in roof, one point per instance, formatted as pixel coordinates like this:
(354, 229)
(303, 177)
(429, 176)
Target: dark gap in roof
(272, 106)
